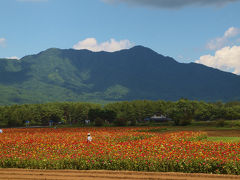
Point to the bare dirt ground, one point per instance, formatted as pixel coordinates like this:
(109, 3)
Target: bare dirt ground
(223, 133)
(104, 175)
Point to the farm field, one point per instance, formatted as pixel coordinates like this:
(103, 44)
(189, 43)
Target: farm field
(119, 148)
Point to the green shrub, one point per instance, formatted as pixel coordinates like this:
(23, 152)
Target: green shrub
(220, 123)
(120, 122)
(185, 122)
(99, 122)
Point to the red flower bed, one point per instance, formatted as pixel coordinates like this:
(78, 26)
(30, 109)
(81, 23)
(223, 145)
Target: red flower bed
(116, 149)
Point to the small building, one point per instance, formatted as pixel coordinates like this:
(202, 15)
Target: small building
(87, 121)
(156, 118)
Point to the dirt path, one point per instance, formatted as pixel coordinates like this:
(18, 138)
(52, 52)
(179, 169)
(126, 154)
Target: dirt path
(104, 175)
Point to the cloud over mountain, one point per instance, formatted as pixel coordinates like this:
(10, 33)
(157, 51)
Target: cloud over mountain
(173, 4)
(226, 59)
(227, 38)
(110, 46)
(2, 42)
(13, 57)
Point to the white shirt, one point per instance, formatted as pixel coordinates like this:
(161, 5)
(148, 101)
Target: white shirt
(89, 138)
(1, 131)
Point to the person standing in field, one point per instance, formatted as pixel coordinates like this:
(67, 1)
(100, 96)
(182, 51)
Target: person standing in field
(27, 123)
(89, 138)
(1, 131)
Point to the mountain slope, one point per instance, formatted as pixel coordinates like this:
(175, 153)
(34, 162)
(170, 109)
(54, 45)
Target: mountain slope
(136, 73)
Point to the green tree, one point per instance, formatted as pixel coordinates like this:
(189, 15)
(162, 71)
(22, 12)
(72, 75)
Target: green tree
(183, 112)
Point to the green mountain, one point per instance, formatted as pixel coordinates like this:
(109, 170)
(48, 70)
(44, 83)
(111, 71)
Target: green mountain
(136, 73)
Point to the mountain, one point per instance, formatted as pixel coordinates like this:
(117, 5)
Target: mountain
(136, 73)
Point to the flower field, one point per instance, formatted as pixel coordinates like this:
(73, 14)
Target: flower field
(117, 149)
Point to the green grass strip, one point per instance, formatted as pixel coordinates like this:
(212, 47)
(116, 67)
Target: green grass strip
(223, 139)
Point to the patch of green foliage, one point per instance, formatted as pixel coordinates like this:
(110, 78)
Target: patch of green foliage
(223, 139)
(160, 130)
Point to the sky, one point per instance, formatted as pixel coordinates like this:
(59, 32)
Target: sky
(201, 31)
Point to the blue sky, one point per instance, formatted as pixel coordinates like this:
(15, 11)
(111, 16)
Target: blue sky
(202, 31)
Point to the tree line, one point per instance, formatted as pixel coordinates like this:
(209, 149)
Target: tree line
(182, 112)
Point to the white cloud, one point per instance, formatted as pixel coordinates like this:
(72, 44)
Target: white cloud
(13, 57)
(110, 46)
(226, 59)
(220, 42)
(2, 42)
(173, 4)
(231, 32)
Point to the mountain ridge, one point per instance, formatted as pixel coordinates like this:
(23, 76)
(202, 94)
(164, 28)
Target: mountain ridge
(136, 73)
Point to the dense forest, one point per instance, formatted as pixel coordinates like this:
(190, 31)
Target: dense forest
(182, 112)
